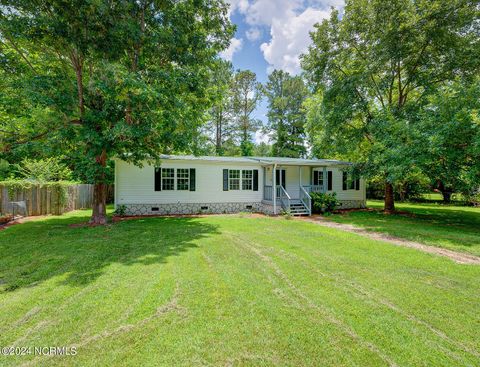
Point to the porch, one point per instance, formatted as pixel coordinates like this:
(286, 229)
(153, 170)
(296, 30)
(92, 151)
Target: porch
(288, 188)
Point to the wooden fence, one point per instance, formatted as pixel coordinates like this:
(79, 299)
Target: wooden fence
(43, 200)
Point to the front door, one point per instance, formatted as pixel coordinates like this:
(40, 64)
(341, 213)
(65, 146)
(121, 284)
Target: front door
(280, 180)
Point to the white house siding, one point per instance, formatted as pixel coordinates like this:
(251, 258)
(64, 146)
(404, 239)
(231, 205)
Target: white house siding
(135, 189)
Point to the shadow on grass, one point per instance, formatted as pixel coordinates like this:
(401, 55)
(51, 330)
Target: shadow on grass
(36, 251)
(429, 223)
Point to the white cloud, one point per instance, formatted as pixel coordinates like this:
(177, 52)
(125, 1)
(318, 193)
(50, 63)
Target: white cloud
(289, 21)
(253, 34)
(261, 138)
(290, 38)
(240, 5)
(235, 46)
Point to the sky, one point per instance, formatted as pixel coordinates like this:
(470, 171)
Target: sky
(272, 34)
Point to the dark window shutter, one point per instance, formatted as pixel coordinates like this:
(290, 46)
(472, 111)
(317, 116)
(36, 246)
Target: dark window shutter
(277, 177)
(284, 184)
(344, 179)
(330, 182)
(158, 179)
(315, 177)
(225, 180)
(192, 179)
(255, 180)
(357, 184)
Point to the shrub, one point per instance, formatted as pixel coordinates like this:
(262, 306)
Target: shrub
(6, 169)
(324, 203)
(287, 214)
(44, 170)
(121, 211)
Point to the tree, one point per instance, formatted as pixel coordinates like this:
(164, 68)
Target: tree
(131, 77)
(246, 94)
(450, 125)
(286, 116)
(220, 126)
(262, 149)
(373, 71)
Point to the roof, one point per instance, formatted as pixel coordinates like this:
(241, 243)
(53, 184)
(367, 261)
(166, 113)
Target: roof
(261, 160)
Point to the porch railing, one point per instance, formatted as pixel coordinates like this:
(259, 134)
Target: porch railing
(284, 198)
(313, 188)
(306, 199)
(268, 193)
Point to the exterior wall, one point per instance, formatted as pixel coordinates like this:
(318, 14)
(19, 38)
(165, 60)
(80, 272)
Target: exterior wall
(135, 185)
(134, 188)
(347, 195)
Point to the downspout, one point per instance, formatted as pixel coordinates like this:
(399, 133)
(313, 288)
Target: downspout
(274, 188)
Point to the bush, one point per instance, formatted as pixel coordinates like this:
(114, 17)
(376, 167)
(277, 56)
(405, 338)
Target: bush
(473, 198)
(44, 170)
(324, 203)
(121, 211)
(6, 169)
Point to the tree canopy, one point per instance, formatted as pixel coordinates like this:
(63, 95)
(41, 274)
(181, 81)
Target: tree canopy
(127, 79)
(286, 116)
(373, 71)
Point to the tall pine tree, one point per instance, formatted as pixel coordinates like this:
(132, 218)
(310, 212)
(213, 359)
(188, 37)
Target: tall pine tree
(286, 116)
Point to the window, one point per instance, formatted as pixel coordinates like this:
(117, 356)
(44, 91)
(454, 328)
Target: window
(183, 179)
(318, 178)
(350, 183)
(234, 179)
(247, 180)
(168, 179)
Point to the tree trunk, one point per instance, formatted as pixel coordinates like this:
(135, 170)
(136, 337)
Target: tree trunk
(389, 198)
(447, 196)
(446, 193)
(99, 210)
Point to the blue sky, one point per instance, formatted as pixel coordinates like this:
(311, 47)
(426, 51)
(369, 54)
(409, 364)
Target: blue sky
(271, 34)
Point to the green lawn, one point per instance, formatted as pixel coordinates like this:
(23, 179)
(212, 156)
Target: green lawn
(231, 290)
(448, 226)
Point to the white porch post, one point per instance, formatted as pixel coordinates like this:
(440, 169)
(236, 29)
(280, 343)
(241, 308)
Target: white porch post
(300, 178)
(325, 179)
(274, 188)
(264, 180)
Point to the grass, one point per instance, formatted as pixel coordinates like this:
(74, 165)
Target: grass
(231, 290)
(448, 226)
(437, 197)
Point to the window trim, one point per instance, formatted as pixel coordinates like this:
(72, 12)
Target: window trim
(320, 178)
(349, 182)
(247, 179)
(234, 179)
(168, 178)
(187, 187)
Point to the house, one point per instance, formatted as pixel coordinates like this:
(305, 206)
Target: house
(192, 185)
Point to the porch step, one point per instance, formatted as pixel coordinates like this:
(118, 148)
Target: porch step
(298, 208)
